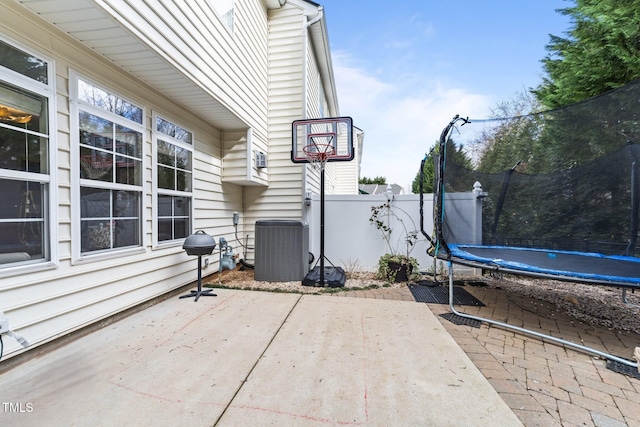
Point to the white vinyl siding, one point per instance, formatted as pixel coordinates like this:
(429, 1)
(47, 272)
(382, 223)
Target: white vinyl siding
(284, 197)
(225, 10)
(315, 98)
(348, 173)
(345, 173)
(234, 67)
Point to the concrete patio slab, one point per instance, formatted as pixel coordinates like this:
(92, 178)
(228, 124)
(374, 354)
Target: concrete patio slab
(369, 363)
(175, 363)
(257, 358)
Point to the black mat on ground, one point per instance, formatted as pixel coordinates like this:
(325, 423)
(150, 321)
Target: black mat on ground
(621, 368)
(440, 295)
(459, 320)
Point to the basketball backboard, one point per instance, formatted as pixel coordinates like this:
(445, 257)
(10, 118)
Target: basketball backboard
(332, 136)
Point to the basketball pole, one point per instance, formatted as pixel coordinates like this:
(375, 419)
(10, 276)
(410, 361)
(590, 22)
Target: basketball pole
(322, 226)
(315, 142)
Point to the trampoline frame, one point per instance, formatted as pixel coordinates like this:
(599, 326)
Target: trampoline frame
(531, 332)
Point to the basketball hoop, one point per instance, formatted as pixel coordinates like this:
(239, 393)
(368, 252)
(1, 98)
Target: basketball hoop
(318, 154)
(318, 141)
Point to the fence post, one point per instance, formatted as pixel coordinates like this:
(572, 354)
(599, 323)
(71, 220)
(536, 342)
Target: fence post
(477, 212)
(478, 195)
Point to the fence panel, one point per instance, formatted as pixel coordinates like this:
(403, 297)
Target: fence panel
(351, 241)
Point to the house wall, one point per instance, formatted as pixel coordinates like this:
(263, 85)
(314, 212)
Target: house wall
(348, 173)
(296, 91)
(230, 66)
(283, 199)
(45, 303)
(316, 107)
(233, 68)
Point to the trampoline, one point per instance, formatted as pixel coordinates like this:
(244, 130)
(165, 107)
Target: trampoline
(557, 196)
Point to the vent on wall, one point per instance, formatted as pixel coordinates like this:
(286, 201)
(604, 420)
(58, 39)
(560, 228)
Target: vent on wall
(261, 160)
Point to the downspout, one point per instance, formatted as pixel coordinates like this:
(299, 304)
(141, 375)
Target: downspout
(249, 154)
(318, 17)
(305, 112)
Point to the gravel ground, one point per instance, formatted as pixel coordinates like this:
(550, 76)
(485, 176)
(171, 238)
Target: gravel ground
(239, 279)
(592, 304)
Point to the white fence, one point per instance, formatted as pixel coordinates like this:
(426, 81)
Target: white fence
(352, 242)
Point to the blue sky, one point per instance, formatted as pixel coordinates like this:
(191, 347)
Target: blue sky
(404, 68)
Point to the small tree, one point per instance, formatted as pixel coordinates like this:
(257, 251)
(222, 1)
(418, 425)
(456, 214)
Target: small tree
(380, 180)
(391, 263)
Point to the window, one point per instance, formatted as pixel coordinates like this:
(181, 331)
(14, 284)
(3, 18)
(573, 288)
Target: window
(174, 180)
(25, 147)
(225, 10)
(109, 161)
(23, 63)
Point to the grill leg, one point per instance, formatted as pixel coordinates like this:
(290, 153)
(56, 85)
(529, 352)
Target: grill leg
(198, 293)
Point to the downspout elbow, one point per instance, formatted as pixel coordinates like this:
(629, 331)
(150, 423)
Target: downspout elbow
(317, 18)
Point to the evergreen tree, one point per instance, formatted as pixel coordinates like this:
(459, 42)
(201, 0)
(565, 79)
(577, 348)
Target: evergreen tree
(380, 180)
(600, 52)
(428, 179)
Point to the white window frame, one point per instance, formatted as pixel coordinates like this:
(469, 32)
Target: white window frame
(50, 221)
(155, 135)
(77, 105)
(225, 10)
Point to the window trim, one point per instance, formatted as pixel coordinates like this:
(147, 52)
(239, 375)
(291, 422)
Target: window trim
(155, 135)
(222, 17)
(50, 216)
(75, 106)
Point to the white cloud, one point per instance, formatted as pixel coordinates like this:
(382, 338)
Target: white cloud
(402, 119)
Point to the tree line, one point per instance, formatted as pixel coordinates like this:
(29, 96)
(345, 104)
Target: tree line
(599, 52)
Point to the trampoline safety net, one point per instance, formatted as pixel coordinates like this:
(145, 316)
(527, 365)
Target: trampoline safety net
(560, 180)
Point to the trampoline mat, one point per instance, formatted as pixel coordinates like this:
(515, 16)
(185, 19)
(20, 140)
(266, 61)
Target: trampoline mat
(594, 267)
(440, 295)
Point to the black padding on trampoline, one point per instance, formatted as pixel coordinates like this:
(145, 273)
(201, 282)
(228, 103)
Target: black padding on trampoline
(459, 320)
(440, 295)
(623, 369)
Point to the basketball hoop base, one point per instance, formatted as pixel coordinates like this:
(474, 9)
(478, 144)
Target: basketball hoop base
(334, 277)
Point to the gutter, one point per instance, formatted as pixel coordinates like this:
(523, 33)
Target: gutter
(333, 100)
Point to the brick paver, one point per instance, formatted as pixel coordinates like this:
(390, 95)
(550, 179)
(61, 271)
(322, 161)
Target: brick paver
(545, 384)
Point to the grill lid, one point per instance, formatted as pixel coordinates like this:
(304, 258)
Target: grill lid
(199, 243)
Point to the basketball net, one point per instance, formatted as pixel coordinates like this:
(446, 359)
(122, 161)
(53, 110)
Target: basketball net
(318, 154)
(95, 168)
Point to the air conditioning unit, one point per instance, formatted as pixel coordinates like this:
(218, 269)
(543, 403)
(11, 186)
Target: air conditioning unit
(282, 250)
(261, 160)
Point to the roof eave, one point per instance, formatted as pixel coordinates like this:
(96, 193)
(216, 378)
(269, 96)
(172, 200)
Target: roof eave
(320, 40)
